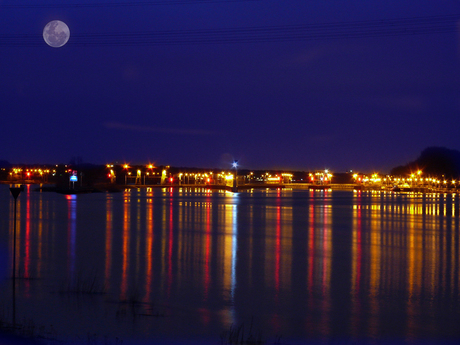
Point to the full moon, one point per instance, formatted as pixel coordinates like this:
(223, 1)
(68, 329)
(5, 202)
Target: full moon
(56, 33)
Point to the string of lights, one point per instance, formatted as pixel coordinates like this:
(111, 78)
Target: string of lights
(322, 31)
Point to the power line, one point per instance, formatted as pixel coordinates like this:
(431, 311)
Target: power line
(322, 31)
(121, 4)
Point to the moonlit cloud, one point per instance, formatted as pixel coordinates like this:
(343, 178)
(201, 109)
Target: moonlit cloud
(131, 73)
(321, 139)
(147, 129)
(402, 102)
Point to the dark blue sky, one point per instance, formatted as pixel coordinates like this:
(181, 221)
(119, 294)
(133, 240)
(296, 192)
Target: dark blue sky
(123, 90)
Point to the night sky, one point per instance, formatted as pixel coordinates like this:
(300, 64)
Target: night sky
(294, 84)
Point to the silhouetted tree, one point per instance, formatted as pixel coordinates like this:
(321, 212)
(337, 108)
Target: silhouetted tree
(433, 161)
(400, 170)
(5, 164)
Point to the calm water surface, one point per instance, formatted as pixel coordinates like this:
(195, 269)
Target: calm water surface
(186, 264)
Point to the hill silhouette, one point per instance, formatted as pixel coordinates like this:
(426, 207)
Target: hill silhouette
(435, 161)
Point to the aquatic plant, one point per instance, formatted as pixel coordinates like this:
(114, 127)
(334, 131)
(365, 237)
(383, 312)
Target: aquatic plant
(236, 336)
(83, 285)
(27, 330)
(137, 307)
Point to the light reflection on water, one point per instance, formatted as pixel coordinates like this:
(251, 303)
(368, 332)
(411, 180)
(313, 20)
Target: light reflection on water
(187, 263)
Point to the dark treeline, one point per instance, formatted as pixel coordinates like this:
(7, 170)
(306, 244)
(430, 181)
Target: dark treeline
(436, 161)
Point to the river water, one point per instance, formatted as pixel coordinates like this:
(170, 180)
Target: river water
(197, 266)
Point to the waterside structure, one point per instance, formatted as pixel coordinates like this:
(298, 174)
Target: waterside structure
(113, 176)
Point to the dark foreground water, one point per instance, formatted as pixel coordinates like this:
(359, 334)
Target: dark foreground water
(184, 265)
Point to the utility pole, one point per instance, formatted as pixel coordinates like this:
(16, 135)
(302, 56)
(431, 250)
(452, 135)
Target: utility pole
(15, 191)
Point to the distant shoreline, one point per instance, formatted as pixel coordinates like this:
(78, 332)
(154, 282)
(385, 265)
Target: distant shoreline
(114, 188)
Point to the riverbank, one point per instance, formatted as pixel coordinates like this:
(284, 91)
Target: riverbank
(116, 188)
